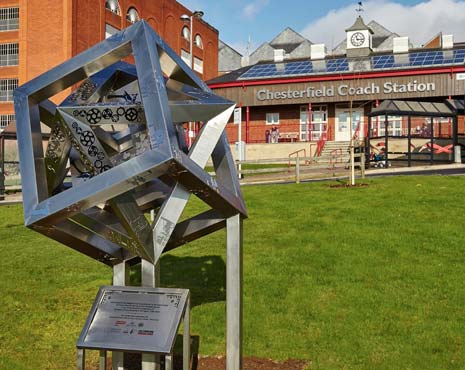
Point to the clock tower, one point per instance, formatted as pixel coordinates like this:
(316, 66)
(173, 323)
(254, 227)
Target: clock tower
(359, 39)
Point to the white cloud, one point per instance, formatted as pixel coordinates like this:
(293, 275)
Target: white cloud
(255, 7)
(420, 22)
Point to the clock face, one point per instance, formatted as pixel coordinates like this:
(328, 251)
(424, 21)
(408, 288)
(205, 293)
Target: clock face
(357, 39)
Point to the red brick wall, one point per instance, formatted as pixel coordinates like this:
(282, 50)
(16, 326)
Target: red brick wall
(162, 15)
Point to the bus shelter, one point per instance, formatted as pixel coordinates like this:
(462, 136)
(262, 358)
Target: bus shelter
(413, 131)
(9, 133)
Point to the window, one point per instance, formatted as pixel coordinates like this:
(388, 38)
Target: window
(6, 88)
(186, 33)
(198, 41)
(113, 6)
(110, 30)
(9, 19)
(198, 65)
(132, 15)
(5, 120)
(186, 57)
(8, 55)
(272, 118)
(318, 125)
(394, 126)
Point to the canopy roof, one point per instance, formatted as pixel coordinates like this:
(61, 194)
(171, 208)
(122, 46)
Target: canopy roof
(416, 108)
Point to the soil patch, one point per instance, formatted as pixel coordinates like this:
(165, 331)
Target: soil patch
(348, 186)
(132, 362)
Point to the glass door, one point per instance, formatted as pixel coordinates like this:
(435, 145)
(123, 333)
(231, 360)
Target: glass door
(343, 123)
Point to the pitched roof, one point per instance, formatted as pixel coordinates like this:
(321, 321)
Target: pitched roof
(359, 25)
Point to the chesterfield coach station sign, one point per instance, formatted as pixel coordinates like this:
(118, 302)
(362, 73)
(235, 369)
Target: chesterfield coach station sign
(346, 90)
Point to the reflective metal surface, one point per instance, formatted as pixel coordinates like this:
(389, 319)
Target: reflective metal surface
(144, 320)
(117, 150)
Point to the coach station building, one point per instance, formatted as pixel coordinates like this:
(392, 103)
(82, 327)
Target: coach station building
(304, 92)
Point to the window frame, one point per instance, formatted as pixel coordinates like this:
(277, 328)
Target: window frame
(272, 115)
(9, 19)
(9, 54)
(7, 86)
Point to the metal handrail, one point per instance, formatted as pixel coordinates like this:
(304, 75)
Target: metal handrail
(296, 153)
(335, 154)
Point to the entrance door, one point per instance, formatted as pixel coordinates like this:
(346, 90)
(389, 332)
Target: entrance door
(343, 123)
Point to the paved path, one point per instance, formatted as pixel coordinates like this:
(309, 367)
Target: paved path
(323, 174)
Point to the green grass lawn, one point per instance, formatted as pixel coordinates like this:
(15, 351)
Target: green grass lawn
(347, 278)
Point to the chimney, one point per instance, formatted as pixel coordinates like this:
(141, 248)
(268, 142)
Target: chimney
(400, 45)
(317, 51)
(279, 55)
(447, 41)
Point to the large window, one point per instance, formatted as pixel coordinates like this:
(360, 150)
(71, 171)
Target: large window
(5, 120)
(272, 118)
(186, 34)
(394, 126)
(198, 65)
(186, 57)
(9, 19)
(133, 15)
(318, 125)
(198, 41)
(113, 6)
(6, 89)
(8, 55)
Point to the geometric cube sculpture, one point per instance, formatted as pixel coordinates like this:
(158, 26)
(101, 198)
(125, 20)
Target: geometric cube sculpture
(117, 150)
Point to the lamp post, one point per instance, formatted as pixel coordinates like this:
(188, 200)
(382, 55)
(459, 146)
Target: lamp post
(186, 18)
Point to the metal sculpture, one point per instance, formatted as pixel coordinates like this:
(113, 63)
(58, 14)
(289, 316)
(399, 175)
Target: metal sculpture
(117, 150)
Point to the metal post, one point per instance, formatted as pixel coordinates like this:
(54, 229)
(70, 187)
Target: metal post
(352, 161)
(103, 360)
(247, 124)
(309, 120)
(409, 127)
(234, 293)
(431, 140)
(297, 170)
(186, 338)
(2, 168)
(362, 163)
(386, 144)
(150, 277)
(455, 140)
(368, 143)
(81, 359)
(120, 278)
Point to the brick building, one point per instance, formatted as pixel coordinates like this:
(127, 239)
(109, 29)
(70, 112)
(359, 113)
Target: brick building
(308, 92)
(36, 35)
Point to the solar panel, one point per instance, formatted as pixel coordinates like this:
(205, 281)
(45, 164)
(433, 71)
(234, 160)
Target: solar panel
(341, 65)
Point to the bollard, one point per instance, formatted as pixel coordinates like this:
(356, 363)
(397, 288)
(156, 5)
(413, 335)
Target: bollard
(362, 164)
(297, 170)
(457, 154)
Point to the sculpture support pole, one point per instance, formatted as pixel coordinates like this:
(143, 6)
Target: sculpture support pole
(150, 278)
(120, 278)
(234, 293)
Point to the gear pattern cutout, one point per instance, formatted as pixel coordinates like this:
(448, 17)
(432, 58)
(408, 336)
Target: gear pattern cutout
(95, 116)
(87, 139)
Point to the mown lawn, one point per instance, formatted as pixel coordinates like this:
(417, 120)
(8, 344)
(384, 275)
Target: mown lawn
(347, 278)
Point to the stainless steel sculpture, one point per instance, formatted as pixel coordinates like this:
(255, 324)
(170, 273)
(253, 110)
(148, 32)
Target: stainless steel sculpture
(117, 150)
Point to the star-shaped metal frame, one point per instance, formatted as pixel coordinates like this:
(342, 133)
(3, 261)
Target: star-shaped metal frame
(121, 138)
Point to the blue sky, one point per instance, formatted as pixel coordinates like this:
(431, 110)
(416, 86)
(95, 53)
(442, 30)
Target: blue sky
(325, 21)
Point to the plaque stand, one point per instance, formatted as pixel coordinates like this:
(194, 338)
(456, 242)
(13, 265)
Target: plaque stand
(151, 359)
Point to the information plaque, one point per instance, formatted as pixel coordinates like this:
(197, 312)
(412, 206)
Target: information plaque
(134, 319)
